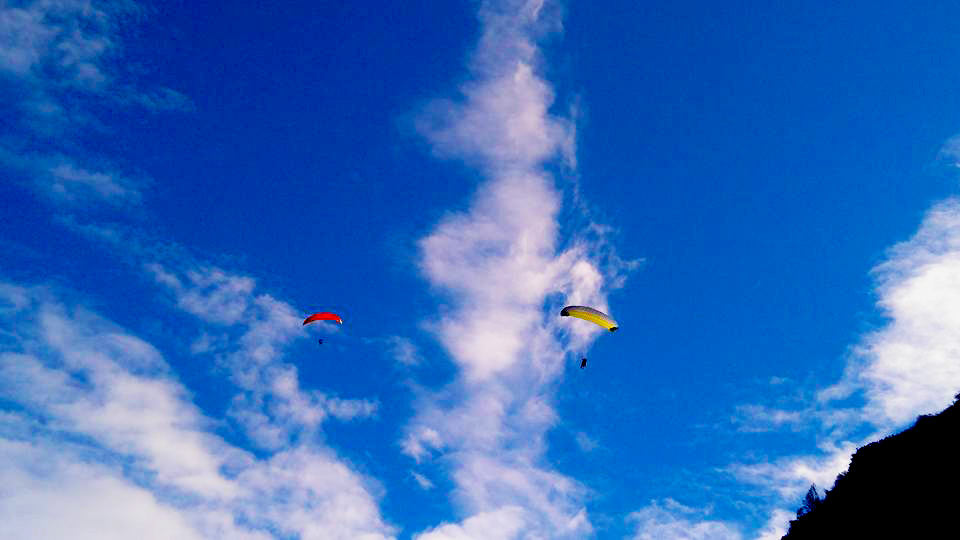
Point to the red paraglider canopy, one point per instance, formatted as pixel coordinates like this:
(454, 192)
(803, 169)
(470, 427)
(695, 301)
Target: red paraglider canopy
(323, 316)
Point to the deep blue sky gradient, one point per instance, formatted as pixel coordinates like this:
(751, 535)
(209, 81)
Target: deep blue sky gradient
(758, 158)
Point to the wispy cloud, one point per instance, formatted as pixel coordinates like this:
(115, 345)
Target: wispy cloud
(950, 151)
(58, 57)
(498, 263)
(502, 524)
(405, 351)
(272, 406)
(907, 367)
(85, 375)
(120, 438)
(910, 366)
(585, 442)
(776, 526)
(96, 398)
(53, 48)
(65, 41)
(421, 480)
(787, 477)
(72, 497)
(400, 348)
(209, 293)
(670, 520)
(70, 183)
(63, 181)
(754, 418)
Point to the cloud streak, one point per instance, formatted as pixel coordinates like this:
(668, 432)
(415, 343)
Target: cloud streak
(910, 366)
(59, 65)
(670, 520)
(271, 404)
(497, 264)
(907, 367)
(122, 442)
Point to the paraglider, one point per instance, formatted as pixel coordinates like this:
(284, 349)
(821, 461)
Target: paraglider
(592, 315)
(323, 316)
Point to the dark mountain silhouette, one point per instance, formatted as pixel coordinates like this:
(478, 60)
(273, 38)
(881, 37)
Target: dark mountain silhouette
(903, 486)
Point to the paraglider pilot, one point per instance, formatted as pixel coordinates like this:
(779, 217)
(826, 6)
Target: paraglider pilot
(323, 316)
(591, 315)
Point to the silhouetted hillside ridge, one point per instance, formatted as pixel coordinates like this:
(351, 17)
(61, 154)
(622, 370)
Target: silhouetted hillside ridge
(902, 486)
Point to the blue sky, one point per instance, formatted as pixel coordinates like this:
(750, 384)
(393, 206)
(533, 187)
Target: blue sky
(763, 196)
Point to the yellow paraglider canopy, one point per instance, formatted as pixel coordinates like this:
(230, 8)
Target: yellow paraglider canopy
(592, 315)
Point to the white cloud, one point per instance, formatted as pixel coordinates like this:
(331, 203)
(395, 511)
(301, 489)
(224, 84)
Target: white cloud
(103, 396)
(67, 497)
(777, 525)
(209, 293)
(160, 100)
(61, 180)
(950, 151)
(670, 520)
(404, 351)
(907, 367)
(753, 418)
(421, 440)
(68, 37)
(58, 55)
(313, 496)
(757, 418)
(911, 366)
(421, 480)
(585, 442)
(70, 183)
(24, 39)
(789, 477)
(96, 380)
(498, 262)
(55, 47)
(271, 405)
(104, 433)
(505, 523)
